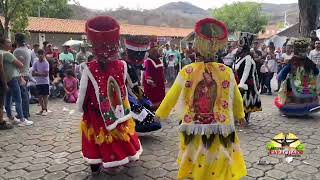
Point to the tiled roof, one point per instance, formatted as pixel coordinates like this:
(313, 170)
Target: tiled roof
(47, 25)
(292, 31)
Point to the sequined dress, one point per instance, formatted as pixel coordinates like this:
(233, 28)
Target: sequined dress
(141, 106)
(153, 81)
(107, 127)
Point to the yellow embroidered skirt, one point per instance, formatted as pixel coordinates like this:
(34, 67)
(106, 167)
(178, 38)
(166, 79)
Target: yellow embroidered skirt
(212, 157)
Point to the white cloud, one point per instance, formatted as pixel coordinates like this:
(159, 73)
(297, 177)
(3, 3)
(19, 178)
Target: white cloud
(150, 4)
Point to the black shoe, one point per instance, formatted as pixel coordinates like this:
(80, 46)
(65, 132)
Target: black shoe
(95, 169)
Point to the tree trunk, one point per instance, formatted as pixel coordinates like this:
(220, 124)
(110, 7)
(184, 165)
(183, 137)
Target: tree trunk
(309, 13)
(2, 34)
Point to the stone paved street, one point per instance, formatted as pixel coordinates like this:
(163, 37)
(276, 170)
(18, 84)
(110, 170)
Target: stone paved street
(51, 148)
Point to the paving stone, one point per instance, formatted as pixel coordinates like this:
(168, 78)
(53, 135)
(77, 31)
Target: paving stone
(152, 164)
(148, 157)
(76, 168)
(143, 178)
(157, 173)
(25, 159)
(76, 161)
(170, 166)
(41, 160)
(308, 169)
(78, 176)
(18, 166)
(31, 142)
(276, 173)
(266, 178)
(59, 149)
(255, 173)
(172, 175)
(74, 155)
(55, 175)
(59, 161)
(57, 167)
(13, 147)
(74, 149)
(136, 171)
(25, 154)
(44, 148)
(2, 171)
(43, 154)
(60, 155)
(300, 175)
(28, 148)
(35, 174)
(5, 164)
(15, 174)
(284, 167)
(37, 167)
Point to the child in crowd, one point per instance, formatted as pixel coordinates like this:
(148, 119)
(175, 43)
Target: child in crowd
(56, 89)
(171, 70)
(70, 87)
(41, 74)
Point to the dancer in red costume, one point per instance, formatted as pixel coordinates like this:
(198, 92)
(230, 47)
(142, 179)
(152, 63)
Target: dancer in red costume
(108, 130)
(153, 79)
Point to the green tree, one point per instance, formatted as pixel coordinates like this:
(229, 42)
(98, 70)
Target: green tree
(52, 9)
(17, 12)
(242, 16)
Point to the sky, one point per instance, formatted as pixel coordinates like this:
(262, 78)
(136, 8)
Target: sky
(151, 4)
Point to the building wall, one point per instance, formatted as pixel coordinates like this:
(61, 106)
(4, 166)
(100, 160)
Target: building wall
(56, 39)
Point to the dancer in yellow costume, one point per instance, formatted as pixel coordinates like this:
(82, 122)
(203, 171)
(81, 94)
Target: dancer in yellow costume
(209, 102)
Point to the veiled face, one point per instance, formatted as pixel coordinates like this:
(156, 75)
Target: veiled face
(136, 56)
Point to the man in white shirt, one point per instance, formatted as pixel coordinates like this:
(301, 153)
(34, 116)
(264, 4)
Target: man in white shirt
(315, 54)
(284, 61)
(315, 57)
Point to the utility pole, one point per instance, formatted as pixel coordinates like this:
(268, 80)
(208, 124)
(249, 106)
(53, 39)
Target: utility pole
(39, 11)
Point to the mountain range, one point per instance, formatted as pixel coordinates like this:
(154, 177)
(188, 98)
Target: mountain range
(181, 14)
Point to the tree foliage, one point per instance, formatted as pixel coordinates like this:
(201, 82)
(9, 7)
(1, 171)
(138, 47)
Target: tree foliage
(17, 12)
(52, 9)
(242, 16)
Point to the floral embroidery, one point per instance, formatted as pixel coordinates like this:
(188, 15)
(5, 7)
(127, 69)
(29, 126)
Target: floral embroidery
(222, 118)
(225, 84)
(222, 67)
(207, 118)
(189, 70)
(187, 119)
(225, 104)
(188, 84)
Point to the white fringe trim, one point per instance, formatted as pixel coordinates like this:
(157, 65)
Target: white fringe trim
(118, 121)
(125, 160)
(140, 117)
(83, 87)
(115, 163)
(154, 64)
(91, 161)
(207, 129)
(135, 48)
